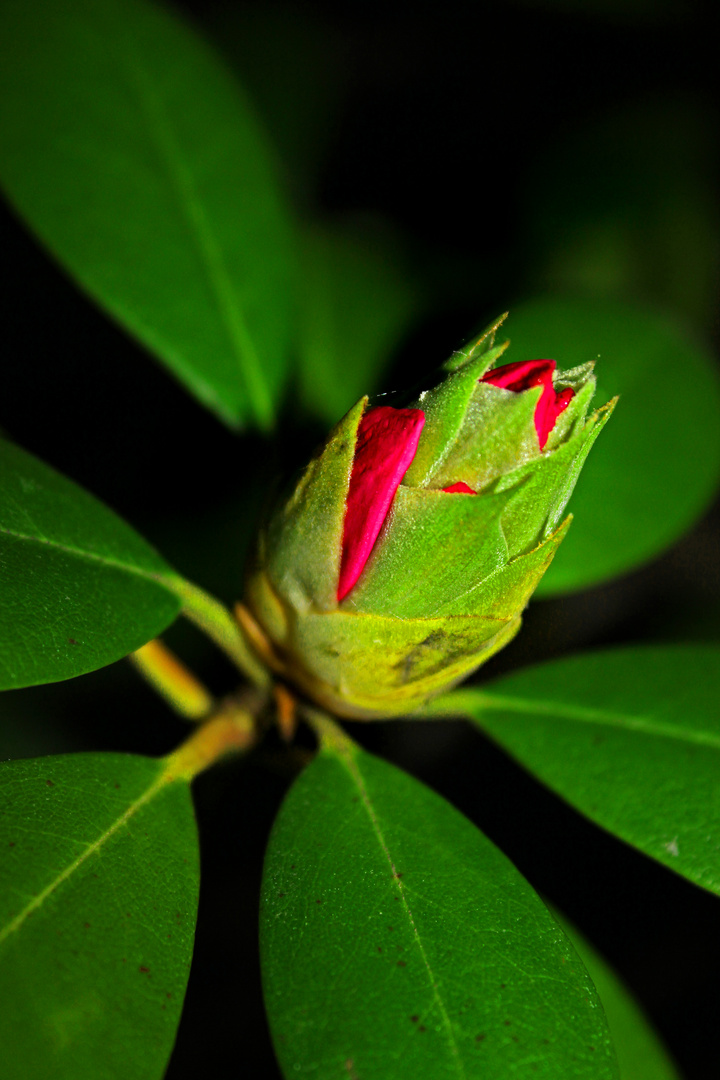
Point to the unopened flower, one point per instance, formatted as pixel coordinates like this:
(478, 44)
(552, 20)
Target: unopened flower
(412, 543)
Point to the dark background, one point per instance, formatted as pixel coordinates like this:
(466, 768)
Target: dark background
(511, 148)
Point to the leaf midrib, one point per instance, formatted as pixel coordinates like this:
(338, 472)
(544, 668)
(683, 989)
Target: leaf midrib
(105, 560)
(36, 903)
(348, 759)
(465, 701)
(192, 214)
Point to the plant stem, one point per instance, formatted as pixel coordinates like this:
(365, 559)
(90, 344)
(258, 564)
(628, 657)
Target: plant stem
(231, 730)
(328, 730)
(214, 619)
(173, 681)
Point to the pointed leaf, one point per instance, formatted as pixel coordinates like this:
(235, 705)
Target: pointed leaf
(397, 941)
(135, 157)
(78, 587)
(356, 301)
(640, 1054)
(98, 896)
(630, 737)
(657, 465)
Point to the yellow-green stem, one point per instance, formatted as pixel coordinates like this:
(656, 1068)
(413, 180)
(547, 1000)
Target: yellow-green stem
(173, 681)
(214, 619)
(231, 730)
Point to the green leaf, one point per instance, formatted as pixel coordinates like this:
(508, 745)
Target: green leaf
(357, 300)
(630, 737)
(135, 157)
(79, 587)
(657, 465)
(397, 941)
(98, 884)
(640, 1054)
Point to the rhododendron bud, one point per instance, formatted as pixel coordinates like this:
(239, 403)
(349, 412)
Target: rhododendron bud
(405, 555)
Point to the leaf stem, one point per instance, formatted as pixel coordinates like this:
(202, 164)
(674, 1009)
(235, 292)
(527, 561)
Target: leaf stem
(214, 619)
(173, 681)
(328, 731)
(232, 730)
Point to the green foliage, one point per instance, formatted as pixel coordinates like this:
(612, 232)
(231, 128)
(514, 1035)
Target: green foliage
(134, 156)
(79, 587)
(397, 941)
(630, 737)
(346, 274)
(656, 467)
(99, 875)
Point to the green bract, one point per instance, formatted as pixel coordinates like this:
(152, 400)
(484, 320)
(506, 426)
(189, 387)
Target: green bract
(444, 584)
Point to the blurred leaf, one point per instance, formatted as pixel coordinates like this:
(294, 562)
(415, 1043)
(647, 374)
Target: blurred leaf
(135, 157)
(397, 941)
(626, 206)
(297, 66)
(79, 587)
(657, 464)
(99, 874)
(640, 1054)
(357, 299)
(630, 737)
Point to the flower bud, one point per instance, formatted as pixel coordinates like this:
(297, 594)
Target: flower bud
(405, 555)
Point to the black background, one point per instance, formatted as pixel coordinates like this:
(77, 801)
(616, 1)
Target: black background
(491, 136)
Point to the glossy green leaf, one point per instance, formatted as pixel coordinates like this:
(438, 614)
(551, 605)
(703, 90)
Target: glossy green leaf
(640, 1054)
(136, 158)
(630, 737)
(657, 465)
(78, 587)
(356, 301)
(99, 876)
(397, 941)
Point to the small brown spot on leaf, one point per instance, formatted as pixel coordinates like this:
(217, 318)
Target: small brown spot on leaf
(50, 783)
(86, 925)
(422, 1028)
(168, 995)
(379, 948)
(318, 901)
(502, 986)
(514, 1038)
(281, 894)
(116, 786)
(481, 1037)
(144, 970)
(391, 928)
(11, 844)
(72, 641)
(414, 1018)
(401, 963)
(506, 1023)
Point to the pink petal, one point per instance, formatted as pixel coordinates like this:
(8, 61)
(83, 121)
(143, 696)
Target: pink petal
(460, 488)
(521, 376)
(387, 440)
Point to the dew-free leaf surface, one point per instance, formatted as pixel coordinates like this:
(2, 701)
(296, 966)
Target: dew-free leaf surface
(656, 466)
(99, 876)
(630, 737)
(135, 157)
(78, 587)
(640, 1054)
(397, 941)
(357, 300)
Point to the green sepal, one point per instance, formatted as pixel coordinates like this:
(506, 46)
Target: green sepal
(445, 409)
(432, 549)
(372, 665)
(498, 435)
(543, 487)
(304, 535)
(476, 347)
